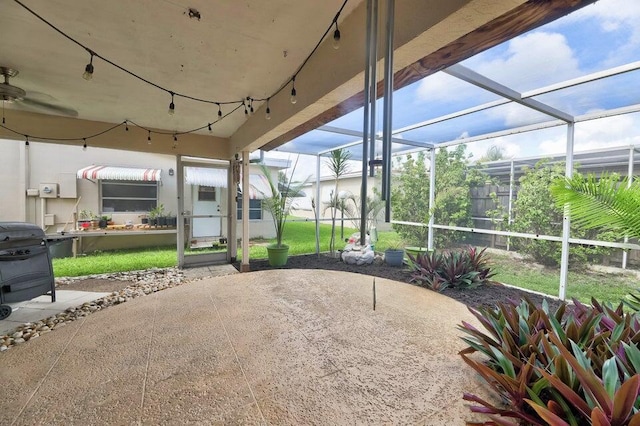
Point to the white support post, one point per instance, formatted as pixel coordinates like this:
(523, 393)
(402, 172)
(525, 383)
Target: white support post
(245, 212)
(180, 225)
(317, 206)
(510, 208)
(632, 151)
(432, 196)
(566, 219)
(232, 214)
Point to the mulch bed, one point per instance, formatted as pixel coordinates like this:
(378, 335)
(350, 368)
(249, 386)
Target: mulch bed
(487, 296)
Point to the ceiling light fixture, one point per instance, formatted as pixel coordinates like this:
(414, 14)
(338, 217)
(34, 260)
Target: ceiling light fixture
(336, 36)
(294, 99)
(172, 106)
(88, 70)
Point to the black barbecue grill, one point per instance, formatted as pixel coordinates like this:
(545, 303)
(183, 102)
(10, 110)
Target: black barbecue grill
(25, 265)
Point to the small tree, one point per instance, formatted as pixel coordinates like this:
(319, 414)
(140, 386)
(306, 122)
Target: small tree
(454, 179)
(339, 166)
(536, 213)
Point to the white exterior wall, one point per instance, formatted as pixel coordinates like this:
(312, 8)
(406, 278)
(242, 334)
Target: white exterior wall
(23, 167)
(351, 184)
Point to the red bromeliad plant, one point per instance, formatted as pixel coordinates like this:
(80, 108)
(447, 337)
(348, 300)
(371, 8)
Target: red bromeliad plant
(573, 367)
(467, 268)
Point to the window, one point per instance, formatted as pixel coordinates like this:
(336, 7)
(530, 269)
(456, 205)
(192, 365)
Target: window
(206, 193)
(128, 196)
(255, 209)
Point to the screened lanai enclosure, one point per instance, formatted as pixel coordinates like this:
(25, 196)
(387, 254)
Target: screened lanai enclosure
(485, 137)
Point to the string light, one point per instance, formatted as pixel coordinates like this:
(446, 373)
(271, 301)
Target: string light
(172, 107)
(88, 75)
(175, 141)
(209, 127)
(88, 70)
(336, 36)
(293, 90)
(84, 146)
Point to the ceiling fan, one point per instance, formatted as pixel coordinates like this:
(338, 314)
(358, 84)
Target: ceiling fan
(32, 101)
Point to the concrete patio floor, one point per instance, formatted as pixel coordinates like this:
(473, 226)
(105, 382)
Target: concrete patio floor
(271, 347)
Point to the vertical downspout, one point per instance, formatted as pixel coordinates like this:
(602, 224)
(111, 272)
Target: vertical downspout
(373, 86)
(365, 130)
(388, 113)
(566, 219)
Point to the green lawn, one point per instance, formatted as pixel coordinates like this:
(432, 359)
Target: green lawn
(300, 236)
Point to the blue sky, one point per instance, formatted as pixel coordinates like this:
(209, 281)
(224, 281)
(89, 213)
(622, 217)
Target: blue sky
(595, 38)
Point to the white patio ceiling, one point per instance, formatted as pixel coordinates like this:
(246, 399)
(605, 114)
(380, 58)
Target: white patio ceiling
(233, 51)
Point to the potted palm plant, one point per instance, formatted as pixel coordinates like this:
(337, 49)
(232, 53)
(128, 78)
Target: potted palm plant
(278, 204)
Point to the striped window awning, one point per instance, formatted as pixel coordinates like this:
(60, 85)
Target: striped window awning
(118, 173)
(204, 176)
(258, 185)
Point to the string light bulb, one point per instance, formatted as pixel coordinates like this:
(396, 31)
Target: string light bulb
(126, 126)
(336, 37)
(88, 70)
(172, 106)
(219, 112)
(149, 137)
(175, 141)
(267, 114)
(251, 106)
(84, 146)
(26, 142)
(293, 99)
(246, 112)
(210, 130)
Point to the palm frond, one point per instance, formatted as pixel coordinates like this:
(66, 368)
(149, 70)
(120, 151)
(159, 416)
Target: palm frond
(606, 203)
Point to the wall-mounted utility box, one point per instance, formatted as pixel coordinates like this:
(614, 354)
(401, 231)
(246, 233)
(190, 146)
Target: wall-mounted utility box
(48, 190)
(68, 187)
(49, 219)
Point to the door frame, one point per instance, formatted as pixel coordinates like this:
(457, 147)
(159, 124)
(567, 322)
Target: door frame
(185, 261)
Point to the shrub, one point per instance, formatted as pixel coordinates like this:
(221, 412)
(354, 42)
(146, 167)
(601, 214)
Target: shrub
(577, 367)
(537, 213)
(467, 268)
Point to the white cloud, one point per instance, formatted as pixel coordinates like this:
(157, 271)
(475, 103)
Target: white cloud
(616, 131)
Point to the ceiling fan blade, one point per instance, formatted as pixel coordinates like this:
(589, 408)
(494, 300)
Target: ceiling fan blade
(29, 103)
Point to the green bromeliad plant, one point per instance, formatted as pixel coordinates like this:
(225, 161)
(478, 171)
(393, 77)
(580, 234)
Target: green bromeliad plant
(577, 366)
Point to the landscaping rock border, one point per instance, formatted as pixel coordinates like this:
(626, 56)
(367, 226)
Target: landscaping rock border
(146, 282)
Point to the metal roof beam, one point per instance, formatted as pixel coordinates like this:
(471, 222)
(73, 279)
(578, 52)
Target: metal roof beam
(465, 74)
(516, 130)
(348, 132)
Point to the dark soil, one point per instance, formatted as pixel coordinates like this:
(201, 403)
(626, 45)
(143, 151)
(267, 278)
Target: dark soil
(487, 296)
